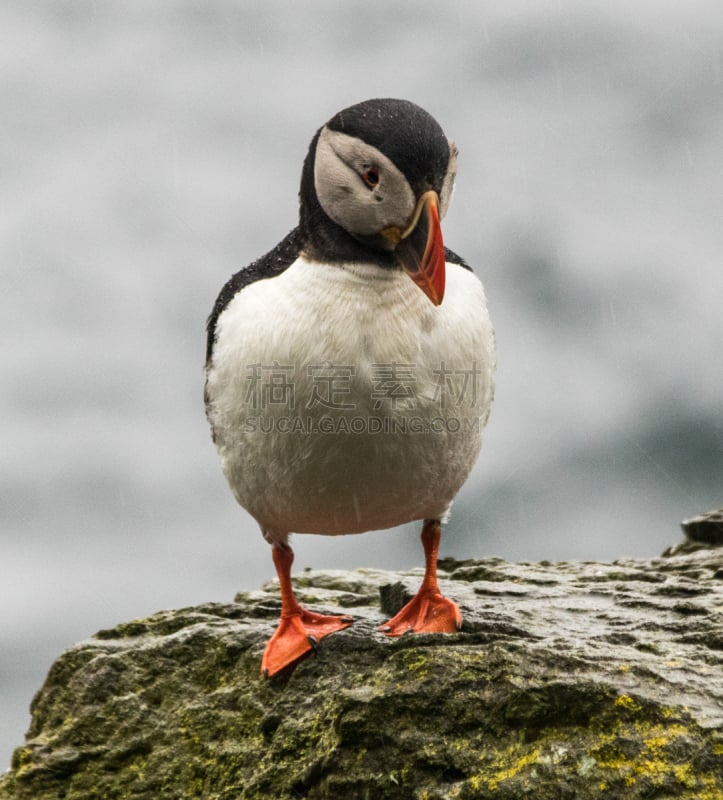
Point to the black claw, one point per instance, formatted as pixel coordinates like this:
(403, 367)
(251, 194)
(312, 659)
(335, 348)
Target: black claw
(313, 641)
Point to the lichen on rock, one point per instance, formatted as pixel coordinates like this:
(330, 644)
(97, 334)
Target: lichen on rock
(569, 680)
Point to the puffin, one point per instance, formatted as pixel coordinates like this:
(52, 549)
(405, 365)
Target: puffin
(350, 370)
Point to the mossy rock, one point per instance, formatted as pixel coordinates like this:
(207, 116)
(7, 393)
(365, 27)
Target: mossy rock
(574, 680)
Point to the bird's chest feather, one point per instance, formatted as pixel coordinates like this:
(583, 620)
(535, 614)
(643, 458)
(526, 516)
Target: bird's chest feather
(325, 326)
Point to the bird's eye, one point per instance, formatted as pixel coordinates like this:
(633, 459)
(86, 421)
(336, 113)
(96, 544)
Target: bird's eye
(370, 176)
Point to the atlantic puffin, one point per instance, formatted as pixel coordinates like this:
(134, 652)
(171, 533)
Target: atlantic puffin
(349, 371)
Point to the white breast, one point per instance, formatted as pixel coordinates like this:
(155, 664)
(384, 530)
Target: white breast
(342, 400)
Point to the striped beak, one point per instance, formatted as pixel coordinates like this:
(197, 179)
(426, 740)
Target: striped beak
(421, 249)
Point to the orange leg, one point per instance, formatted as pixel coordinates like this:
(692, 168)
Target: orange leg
(428, 611)
(299, 630)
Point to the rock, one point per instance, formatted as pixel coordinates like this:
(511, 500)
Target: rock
(701, 532)
(568, 680)
(705, 528)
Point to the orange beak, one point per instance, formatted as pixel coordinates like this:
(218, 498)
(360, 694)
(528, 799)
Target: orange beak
(421, 249)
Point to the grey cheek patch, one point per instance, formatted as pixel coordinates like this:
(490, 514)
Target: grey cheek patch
(445, 197)
(339, 162)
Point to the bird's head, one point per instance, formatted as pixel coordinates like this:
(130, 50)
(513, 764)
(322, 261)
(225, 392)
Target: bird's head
(379, 176)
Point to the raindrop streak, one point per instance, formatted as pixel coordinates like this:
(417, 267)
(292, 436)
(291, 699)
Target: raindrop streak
(659, 467)
(689, 154)
(715, 63)
(357, 511)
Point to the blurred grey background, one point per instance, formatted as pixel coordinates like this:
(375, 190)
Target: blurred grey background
(149, 150)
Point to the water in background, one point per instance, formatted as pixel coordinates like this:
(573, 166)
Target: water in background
(147, 151)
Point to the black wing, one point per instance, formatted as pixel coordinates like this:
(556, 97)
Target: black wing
(273, 263)
(453, 258)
